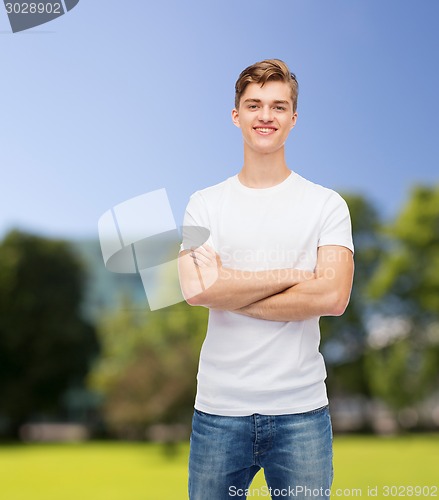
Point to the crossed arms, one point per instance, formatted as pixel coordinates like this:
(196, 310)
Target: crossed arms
(278, 294)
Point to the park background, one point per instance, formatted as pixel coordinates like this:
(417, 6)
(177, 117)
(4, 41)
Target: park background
(113, 100)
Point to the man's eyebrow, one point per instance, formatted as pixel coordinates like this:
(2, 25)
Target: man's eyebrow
(276, 101)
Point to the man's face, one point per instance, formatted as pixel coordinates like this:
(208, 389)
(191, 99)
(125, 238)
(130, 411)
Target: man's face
(265, 116)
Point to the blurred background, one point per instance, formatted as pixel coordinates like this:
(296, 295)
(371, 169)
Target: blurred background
(116, 99)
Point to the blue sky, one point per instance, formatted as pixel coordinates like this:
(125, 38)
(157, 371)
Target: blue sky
(117, 98)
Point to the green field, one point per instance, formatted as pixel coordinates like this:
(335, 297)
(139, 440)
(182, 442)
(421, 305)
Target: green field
(389, 467)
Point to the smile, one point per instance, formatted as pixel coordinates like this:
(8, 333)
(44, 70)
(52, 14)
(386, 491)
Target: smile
(265, 130)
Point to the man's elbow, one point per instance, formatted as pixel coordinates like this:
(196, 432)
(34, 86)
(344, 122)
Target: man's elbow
(192, 289)
(339, 309)
(338, 304)
(207, 298)
(195, 300)
(194, 294)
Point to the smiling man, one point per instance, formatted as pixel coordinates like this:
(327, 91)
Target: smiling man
(279, 256)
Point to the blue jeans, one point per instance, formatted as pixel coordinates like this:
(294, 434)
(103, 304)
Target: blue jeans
(294, 450)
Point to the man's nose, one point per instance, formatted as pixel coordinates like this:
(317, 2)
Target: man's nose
(265, 114)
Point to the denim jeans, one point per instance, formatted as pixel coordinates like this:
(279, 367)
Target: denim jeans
(294, 450)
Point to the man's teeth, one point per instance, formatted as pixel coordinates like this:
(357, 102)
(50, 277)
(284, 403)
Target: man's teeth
(265, 130)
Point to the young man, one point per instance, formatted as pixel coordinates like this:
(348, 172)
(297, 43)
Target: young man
(279, 256)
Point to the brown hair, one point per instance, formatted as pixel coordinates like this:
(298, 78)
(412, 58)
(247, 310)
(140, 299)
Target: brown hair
(263, 71)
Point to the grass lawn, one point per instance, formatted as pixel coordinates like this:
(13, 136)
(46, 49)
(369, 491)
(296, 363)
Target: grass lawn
(139, 471)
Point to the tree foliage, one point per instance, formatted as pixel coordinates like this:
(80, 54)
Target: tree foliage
(401, 373)
(344, 338)
(404, 368)
(147, 372)
(45, 345)
(409, 271)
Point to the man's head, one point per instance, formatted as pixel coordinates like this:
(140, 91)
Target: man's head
(261, 73)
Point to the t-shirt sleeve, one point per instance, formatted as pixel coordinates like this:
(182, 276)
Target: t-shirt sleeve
(196, 226)
(336, 227)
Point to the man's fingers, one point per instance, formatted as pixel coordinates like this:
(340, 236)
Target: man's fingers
(205, 257)
(202, 259)
(205, 250)
(198, 261)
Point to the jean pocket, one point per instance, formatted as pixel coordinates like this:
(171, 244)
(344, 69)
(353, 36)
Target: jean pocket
(321, 409)
(203, 413)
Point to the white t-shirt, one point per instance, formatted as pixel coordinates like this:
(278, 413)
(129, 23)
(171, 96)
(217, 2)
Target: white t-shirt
(250, 365)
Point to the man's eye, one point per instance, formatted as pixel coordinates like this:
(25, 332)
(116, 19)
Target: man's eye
(280, 108)
(252, 106)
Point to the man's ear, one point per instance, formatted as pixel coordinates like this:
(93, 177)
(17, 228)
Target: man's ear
(293, 120)
(235, 117)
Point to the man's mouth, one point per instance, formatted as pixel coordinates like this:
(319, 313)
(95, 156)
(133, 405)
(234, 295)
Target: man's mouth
(265, 130)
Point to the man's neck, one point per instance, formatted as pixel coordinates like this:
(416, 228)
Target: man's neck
(263, 171)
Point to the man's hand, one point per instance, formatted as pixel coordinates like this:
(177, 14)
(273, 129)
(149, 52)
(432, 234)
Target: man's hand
(205, 256)
(207, 264)
(204, 281)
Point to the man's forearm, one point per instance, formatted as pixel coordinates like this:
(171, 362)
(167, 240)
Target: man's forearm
(326, 295)
(205, 282)
(234, 289)
(303, 301)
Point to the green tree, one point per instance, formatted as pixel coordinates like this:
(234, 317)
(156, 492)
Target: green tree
(147, 371)
(403, 365)
(344, 338)
(45, 345)
(402, 372)
(409, 271)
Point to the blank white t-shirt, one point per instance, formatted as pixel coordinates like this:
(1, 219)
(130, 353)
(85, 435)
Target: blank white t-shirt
(250, 365)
